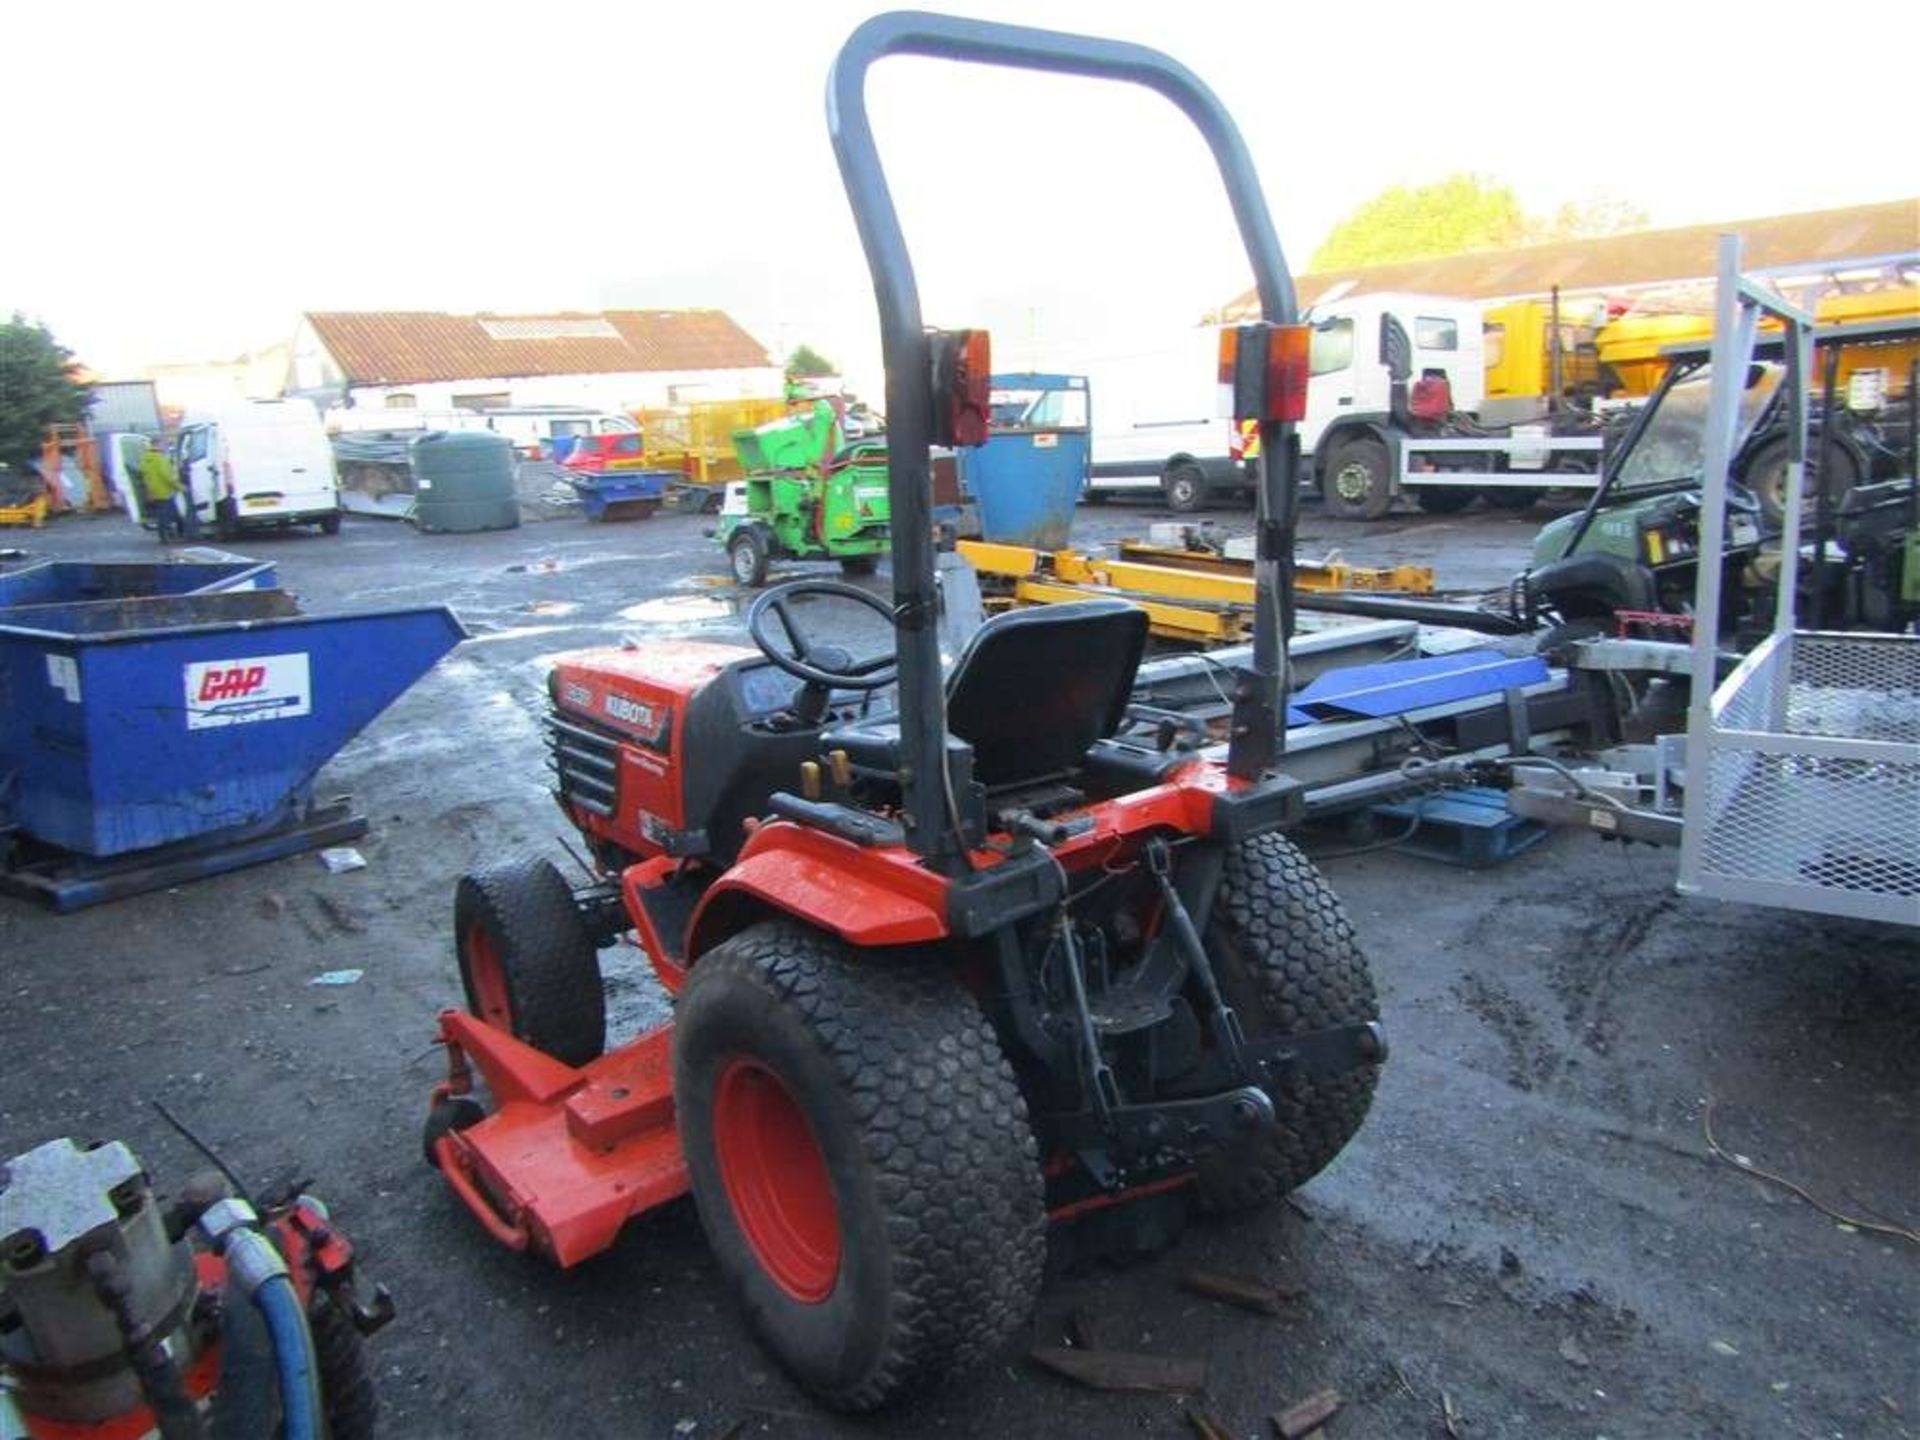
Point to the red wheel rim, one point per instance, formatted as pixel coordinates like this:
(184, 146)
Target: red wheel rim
(489, 980)
(776, 1180)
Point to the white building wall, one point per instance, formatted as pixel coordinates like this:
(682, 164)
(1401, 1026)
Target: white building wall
(634, 390)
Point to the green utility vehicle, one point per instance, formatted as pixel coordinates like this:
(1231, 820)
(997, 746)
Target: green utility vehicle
(1631, 556)
(808, 495)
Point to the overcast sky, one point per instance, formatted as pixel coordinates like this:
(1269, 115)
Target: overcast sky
(186, 178)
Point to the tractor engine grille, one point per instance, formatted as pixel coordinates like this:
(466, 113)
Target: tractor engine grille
(586, 760)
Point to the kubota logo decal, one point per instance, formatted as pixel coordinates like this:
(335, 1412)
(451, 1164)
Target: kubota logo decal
(239, 691)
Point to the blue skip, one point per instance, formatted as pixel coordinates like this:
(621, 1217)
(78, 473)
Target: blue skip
(153, 738)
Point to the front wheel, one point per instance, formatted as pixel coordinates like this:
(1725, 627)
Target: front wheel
(747, 554)
(859, 564)
(1186, 488)
(330, 524)
(1356, 485)
(860, 1155)
(1288, 963)
(527, 961)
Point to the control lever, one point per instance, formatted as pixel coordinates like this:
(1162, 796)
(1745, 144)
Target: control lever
(1046, 831)
(1226, 1024)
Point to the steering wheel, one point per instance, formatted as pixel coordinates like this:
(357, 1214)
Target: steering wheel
(828, 666)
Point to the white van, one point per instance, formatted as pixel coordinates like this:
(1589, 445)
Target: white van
(259, 463)
(1157, 424)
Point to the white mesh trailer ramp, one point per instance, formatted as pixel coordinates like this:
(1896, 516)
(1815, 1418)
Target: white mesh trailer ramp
(1803, 765)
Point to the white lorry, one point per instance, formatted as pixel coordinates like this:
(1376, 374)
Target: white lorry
(259, 464)
(1396, 405)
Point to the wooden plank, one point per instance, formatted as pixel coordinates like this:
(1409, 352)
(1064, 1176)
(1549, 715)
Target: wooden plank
(1309, 1415)
(1238, 1290)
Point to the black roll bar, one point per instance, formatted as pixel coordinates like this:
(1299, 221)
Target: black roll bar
(1257, 738)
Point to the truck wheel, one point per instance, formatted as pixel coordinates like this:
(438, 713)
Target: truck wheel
(330, 524)
(1356, 485)
(859, 564)
(747, 553)
(861, 1159)
(1442, 499)
(1767, 478)
(1502, 497)
(1288, 963)
(527, 962)
(1186, 487)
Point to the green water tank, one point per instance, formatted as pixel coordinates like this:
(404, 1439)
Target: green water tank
(463, 481)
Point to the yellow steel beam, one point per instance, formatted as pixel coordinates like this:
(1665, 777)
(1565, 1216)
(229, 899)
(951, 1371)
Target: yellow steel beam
(990, 559)
(1307, 574)
(1173, 622)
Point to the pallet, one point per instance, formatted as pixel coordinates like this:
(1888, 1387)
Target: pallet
(1470, 827)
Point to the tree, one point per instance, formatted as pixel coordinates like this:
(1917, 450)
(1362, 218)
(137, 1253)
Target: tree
(1448, 217)
(805, 363)
(40, 385)
(1599, 214)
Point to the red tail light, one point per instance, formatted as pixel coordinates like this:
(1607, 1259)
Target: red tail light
(1264, 371)
(1287, 372)
(962, 364)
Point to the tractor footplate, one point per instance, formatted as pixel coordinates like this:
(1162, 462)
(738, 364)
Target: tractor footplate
(568, 1156)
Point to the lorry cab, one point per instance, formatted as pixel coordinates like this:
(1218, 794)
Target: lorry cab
(1347, 375)
(259, 463)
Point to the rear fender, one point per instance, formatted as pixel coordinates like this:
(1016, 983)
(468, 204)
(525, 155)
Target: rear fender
(867, 895)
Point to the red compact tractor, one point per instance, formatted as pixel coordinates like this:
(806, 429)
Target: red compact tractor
(996, 958)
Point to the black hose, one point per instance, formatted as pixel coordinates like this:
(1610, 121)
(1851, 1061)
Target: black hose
(246, 1406)
(159, 1377)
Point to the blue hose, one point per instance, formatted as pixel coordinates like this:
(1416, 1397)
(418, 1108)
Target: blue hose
(293, 1358)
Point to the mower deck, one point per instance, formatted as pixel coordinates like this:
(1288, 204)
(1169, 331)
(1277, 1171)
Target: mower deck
(568, 1156)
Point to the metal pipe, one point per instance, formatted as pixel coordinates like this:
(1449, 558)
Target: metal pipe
(931, 828)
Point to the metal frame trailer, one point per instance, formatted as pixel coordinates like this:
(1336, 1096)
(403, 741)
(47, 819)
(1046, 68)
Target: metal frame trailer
(1797, 781)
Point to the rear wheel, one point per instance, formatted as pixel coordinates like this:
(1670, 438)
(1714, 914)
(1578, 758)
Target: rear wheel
(1767, 478)
(859, 564)
(1355, 484)
(330, 524)
(1442, 499)
(527, 961)
(1288, 962)
(747, 554)
(861, 1159)
(1186, 487)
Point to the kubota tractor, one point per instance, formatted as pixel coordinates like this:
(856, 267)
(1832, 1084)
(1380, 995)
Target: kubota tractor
(943, 974)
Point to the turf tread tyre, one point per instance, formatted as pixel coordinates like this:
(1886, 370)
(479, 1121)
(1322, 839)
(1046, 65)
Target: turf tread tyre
(552, 970)
(1289, 963)
(936, 1172)
(346, 1380)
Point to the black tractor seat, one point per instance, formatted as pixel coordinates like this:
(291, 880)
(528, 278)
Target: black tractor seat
(1032, 693)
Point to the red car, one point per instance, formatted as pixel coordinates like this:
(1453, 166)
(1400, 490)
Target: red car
(605, 454)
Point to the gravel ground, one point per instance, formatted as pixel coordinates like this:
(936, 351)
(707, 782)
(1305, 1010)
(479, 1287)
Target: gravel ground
(1528, 1235)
